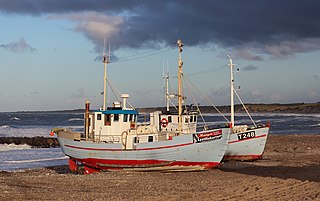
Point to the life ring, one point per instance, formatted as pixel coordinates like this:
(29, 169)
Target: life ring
(164, 122)
(124, 136)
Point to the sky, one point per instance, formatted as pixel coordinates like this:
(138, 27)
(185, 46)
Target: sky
(50, 51)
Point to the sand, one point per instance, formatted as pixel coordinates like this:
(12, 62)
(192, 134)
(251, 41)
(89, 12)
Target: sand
(289, 170)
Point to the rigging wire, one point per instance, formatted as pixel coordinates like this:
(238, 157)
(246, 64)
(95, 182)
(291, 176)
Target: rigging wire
(208, 70)
(206, 99)
(116, 92)
(244, 107)
(214, 69)
(143, 56)
(195, 102)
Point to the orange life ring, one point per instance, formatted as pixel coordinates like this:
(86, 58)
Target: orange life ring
(164, 122)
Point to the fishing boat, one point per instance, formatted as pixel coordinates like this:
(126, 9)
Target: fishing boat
(246, 142)
(112, 140)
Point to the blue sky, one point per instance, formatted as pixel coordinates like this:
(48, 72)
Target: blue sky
(50, 50)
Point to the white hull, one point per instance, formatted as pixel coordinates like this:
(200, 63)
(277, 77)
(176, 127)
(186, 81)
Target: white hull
(248, 145)
(183, 152)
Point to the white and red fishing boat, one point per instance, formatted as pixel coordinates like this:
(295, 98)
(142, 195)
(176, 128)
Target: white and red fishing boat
(112, 140)
(246, 142)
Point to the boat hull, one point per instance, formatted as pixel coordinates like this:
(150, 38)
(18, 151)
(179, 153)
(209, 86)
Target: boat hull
(183, 153)
(246, 146)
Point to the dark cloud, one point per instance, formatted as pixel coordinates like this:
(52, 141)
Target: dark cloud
(249, 68)
(264, 28)
(20, 46)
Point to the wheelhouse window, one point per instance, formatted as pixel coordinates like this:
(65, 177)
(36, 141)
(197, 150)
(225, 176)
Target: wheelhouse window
(107, 119)
(116, 117)
(150, 138)
(191, 118)
(169, 119)
(135, 140)
(195, 118)
(99, 117)
(130, 117)
(186, 120)
(125, 118)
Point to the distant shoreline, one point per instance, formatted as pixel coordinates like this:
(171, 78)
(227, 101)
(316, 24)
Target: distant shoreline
(299, 108)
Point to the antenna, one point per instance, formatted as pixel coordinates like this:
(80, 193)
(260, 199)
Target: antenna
(105, 61)
(166, 91)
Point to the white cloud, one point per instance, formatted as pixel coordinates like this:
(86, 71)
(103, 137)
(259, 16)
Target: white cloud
(20, 46)
(95, 26)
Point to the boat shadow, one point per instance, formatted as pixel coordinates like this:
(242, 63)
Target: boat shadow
(302, 173)
(62, 169)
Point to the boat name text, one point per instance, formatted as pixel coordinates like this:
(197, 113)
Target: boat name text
(212, 135)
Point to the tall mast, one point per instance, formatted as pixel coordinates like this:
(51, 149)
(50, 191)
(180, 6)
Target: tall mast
(231, 65)
(106, 60)
(167, 91)
(180, 95)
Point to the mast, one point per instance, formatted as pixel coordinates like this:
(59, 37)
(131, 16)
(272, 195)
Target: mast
(167, 92)
(180, 95)
(231, 65)
(106, 60)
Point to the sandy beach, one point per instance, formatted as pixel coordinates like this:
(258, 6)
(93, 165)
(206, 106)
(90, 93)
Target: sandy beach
(289, 170)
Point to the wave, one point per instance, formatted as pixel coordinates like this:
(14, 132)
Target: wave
(10, 147)
(75, 119)
(4, 126)
(15, 118)
(37, 160)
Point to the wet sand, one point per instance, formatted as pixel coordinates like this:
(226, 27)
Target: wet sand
(290, 170)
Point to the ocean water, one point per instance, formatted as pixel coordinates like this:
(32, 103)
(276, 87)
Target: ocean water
(32, 124)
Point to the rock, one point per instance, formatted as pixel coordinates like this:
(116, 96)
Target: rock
(37, 142)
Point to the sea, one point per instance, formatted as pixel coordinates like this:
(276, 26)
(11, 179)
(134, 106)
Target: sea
(31, 124)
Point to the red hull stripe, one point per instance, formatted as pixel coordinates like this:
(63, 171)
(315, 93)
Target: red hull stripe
(242, 157)
(260, 136)
(139, 149)
(114, 163)
(165, 147)
(96, 149)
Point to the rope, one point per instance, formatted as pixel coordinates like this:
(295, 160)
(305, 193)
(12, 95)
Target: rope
(114, 90)
(207, 99)
(214, 69)
(194, 100)
(244, 107)
(143, 56)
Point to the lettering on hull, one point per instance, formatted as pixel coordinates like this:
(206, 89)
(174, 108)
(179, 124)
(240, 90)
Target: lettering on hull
(207, 136)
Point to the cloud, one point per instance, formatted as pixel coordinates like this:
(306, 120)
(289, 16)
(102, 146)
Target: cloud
(95, 26)
(288, 48)
(20, 46)
(256, 30)
(250, 68)
(248, 53)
